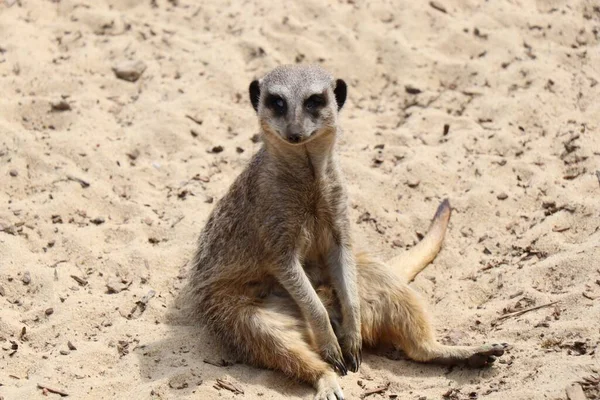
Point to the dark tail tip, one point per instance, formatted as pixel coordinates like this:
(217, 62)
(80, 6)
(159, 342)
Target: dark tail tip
(442, 209)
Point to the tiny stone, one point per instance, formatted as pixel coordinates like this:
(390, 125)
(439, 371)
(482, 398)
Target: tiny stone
(49, 311)
(502, 196)
(13, 172)
(26, 278)
(216, 150)
(97, 220)
(114, 286)
(178, 382)
(412, 90)
(65, 352)
(60, 105)
(378, 160)
(413, 183)
(397, 243)
(71, 346)
(133, 155)
(129, 70)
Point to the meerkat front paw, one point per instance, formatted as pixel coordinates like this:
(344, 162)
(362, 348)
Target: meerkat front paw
(332, 354)
(328, 388)
(352, 350)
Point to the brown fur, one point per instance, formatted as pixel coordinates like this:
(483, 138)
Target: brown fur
(275, 277)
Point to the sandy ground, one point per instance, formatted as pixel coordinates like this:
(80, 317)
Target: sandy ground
(516, 82)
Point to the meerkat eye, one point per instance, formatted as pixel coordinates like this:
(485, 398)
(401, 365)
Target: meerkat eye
(277, 104)
(314, 102)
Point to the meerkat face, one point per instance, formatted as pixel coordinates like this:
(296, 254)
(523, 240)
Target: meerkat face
(298, 103)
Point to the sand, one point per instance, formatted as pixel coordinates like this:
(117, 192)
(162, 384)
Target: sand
(106, 183)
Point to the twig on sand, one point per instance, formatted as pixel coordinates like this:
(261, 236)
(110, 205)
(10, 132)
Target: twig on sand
(438, 6)
(81, 281)
(222, 384)
(56, 263)
(196, 120)
(141, 304)
(518, 313)
(377, 390)
(52, 390)
(84, 184)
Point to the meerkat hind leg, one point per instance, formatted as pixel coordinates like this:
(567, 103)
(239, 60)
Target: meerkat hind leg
(392, 313)
(274, 335)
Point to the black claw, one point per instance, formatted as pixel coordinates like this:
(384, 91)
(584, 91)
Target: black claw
(491, 359)
(353, 366)
(340, 368)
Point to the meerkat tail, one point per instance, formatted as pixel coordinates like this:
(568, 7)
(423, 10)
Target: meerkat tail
(413, 261)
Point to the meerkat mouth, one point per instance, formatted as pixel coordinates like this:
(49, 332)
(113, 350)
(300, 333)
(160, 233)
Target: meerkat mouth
(299, 140)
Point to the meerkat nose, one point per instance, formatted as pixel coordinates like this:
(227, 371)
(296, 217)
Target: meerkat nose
(294, 138)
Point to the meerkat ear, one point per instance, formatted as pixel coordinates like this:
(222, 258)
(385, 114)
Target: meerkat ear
(341, 90)
(254, 91)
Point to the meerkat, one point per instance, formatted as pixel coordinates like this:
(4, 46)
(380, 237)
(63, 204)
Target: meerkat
(275, 277)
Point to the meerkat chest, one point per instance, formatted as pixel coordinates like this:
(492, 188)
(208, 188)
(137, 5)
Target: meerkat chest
(317, 242)
(318, 225)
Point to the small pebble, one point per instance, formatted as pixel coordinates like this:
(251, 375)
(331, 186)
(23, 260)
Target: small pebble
(60, 105)
(413, 183)
(216, 150)
(114, 286)
(97, 220)
(49, 311)
(26, 278)
(71, 346)
(65, 352)
(133, 155)
(446, 129)
(129, 70)
(412, 90)
(502, 196)
(13, 173)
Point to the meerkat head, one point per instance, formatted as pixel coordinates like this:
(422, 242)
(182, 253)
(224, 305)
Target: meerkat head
(297, 103)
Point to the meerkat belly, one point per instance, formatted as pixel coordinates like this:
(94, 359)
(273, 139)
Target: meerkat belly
(316, 247)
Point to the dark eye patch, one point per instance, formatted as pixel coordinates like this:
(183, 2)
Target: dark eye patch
(314, 102)
(276, 103)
